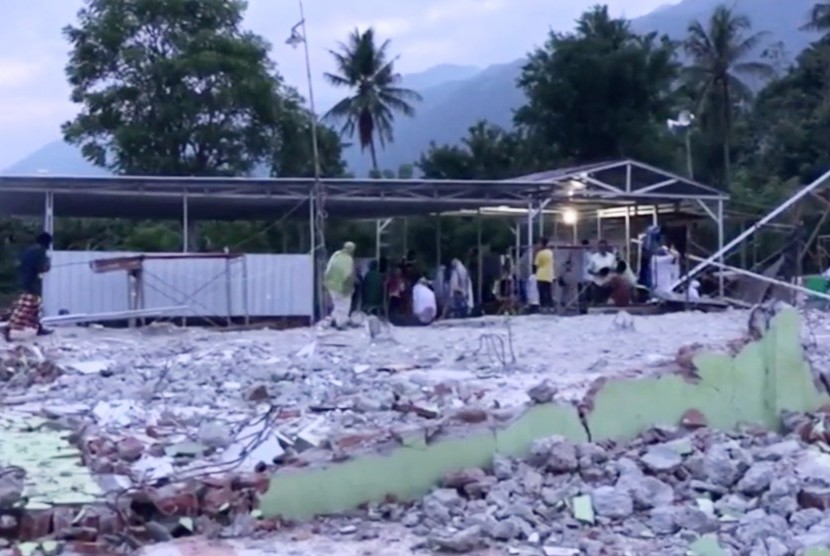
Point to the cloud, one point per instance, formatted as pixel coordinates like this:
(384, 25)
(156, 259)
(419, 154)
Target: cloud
(18, 73)
(452, 10)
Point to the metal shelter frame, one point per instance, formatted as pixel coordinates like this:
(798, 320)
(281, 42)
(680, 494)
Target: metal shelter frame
(614, 189)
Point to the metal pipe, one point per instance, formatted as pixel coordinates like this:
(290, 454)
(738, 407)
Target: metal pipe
(228, 290)
(245, 302)
(185, 224)
(720, 246)
(763, 278)
(755, 227)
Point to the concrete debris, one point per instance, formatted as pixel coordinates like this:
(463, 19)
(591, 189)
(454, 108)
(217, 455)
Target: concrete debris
(693, 492)
(191, 424)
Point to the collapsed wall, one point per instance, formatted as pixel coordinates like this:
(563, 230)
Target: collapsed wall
(720, 390)
(409, 423)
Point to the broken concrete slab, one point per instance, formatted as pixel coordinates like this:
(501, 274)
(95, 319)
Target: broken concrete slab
(753, 386)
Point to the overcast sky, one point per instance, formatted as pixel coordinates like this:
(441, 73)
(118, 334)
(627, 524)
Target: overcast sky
(34, 95)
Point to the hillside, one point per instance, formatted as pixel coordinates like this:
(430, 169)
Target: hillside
(455, 97)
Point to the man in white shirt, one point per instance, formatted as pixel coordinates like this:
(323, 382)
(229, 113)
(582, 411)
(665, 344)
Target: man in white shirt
(424, 306)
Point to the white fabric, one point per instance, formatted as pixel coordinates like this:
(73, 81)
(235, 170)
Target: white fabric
(532, 292)
(341, 306)
(694, 290)
(459, 278)
(424, 306)
(826, 273)
(662, 272)
(586, 266)
(600, 261)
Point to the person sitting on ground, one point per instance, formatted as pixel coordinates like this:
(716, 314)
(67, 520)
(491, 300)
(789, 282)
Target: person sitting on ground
(603, 258)
(625, 271)
(620, 286)
(34, 263)
(424, 305)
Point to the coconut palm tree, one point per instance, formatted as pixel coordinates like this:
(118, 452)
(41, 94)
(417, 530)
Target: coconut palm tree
(819, 19)
(721, 66)
(366, 69)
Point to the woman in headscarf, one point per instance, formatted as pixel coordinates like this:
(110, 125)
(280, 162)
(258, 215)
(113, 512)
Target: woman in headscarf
(460, 287)
(339, 282)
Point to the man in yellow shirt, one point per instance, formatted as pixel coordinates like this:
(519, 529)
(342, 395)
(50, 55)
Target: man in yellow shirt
(544, 274)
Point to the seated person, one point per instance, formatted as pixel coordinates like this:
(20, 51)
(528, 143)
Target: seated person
(624, 271)
(620, 284)
(424, 306)
(600, 288)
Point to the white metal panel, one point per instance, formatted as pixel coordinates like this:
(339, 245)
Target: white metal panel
(276, 285)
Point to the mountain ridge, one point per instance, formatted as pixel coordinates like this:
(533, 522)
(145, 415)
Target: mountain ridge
(456, 96)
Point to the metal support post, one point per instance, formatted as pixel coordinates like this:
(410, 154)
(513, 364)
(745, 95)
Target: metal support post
(822, 180)
(228, 290)
(185, 224)
(628, 235)
(720, 247)
(245, 302)
(380, 227)
(49, 213)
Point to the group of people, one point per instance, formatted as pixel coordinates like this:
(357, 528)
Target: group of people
(605, 278)
(404, 295)
(399, 292)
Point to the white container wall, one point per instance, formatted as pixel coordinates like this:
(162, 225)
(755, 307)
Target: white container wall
(276, 286)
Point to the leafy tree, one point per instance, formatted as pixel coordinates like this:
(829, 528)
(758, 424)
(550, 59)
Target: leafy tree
(721, 52)
(365, 68)
(488, 152)
(819, 18)
(293, 153)
(172, 87)
(600, 92)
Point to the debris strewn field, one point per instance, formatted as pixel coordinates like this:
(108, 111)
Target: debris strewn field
(183, 427)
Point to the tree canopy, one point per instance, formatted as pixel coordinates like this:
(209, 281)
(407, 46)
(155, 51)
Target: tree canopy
(177, 87)
(366, 69)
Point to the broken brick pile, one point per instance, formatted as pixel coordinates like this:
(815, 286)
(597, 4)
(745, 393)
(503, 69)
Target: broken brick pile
(674, 490)
(26, 365)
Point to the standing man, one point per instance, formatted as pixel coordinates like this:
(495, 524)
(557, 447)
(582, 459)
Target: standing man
(34, 263)
(339, 282)
(544, 274)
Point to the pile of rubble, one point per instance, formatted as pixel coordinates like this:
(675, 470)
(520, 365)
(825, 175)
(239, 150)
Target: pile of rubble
(25, 365)
(672, 491)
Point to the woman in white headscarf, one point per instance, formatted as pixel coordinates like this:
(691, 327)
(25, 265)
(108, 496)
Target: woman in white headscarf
(460, 289)
(339, 282)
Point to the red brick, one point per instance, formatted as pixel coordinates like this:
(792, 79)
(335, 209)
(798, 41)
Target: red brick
(89, 549)
(216, 500)
(62, 519)
(258, 394)
(170, 501)
(813, 497)
(130, 449)
(35, 524)
(693, 419)
(470, 415)
(259, 482)
(460, 479)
